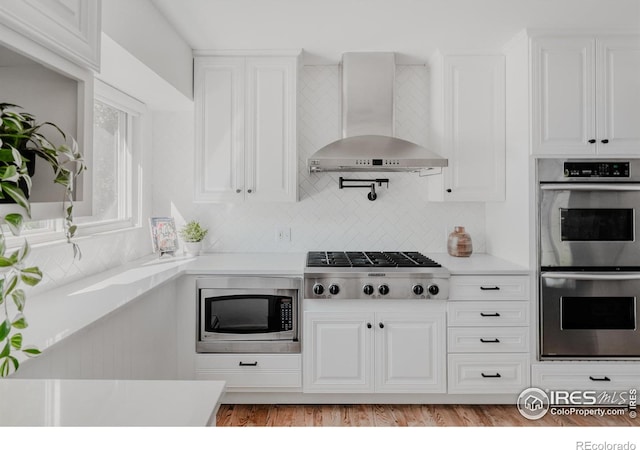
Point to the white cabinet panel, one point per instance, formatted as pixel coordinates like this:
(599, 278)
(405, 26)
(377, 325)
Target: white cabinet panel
(618, 90)
(70, 28)
(585, 95)
(488, 339)
(593, 376)
(472, 133)
(499, 373)
(481, 287)
(477, 313)
(246, 128)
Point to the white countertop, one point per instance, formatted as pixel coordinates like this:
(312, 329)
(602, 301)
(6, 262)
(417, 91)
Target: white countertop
(109, 402)
(56, 314)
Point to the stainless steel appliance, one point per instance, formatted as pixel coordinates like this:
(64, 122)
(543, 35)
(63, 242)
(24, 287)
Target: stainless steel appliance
(248, 315)
(589, 258)
(374, 275)
(368, 143)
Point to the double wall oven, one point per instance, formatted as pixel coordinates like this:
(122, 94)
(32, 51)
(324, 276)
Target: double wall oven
(589, 255)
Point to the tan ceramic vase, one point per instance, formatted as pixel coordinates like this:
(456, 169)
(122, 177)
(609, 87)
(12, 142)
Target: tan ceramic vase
(459, 242)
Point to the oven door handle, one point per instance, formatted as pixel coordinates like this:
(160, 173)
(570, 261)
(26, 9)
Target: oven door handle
(592, 276)
(590, 187)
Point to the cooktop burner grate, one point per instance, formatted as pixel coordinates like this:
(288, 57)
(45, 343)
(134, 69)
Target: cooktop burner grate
(369, 259)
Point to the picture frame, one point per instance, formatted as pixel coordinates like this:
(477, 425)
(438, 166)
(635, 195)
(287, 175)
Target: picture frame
(164, 236)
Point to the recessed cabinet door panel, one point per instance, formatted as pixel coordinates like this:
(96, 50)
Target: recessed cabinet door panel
(563, 95)
(338, 352)
(271, 161)
(618, 90)
(475, 127)
(410, 353)
(219, 98)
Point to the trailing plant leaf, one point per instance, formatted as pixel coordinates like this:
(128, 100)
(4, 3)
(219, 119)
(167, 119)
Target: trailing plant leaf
(15, 223)
(24, 251)
(31, 351)
(19, 299)
(5, 262)
(17, 195)
(5, 328)
(10, 283)
(6, 350)
(19, 322)
(16, 341)
(31, 276)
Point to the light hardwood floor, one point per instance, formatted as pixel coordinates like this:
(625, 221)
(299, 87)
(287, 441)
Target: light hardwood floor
(399, 415)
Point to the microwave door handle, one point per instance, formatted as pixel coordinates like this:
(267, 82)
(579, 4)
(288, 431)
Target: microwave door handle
(589, 187)
(592, 276)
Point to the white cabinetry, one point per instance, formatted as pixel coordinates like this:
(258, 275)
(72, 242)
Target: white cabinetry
(585, 375)
(488, 334)
(246, 127)
(69, 28)
(469, 127)
(383, 352)
(585, 95)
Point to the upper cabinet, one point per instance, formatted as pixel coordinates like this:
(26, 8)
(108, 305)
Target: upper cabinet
(469, 127)
(70, 28)
(585, 95)
(246, 106)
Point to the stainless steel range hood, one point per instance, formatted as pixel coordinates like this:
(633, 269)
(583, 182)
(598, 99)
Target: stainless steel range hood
(368, 144)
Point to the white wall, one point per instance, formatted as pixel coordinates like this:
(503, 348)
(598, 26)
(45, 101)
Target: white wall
(325, 218)
(140, 28)
(413, 28)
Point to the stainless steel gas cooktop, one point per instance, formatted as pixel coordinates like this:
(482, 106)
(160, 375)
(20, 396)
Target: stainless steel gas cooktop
(377, 275)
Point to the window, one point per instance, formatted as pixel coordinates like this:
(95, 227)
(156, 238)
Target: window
(116, 148)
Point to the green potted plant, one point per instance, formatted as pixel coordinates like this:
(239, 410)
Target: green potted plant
(21, 142)
(193, 234)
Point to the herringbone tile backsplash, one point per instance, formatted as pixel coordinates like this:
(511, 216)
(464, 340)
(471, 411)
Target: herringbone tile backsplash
(324, 218)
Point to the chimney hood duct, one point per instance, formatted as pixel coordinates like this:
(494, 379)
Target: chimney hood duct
(368, 144)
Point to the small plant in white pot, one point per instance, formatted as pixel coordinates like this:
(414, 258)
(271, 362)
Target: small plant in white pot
(193, 234)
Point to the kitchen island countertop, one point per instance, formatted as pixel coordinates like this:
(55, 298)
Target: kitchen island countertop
(109, 402)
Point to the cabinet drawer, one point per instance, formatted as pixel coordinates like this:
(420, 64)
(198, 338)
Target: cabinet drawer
(476, 313)
(593, 376)
(488, 340)
(488, 373)
(251, 371)
(477, 287)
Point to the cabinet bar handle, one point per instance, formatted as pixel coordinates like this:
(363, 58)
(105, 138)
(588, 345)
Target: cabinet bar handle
(496, 375)
(489, 288)
(605, 141)
(490, 314)
(490, 341)
(591, 141)
(244, 364)
(599, 378)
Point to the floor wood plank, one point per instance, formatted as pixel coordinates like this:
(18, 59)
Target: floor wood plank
(376, 415)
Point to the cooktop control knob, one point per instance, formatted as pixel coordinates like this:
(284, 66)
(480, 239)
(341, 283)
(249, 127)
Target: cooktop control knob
(367, 289)
(433, 289)
(318, 289)
(383, 289)
(334, 289)
(418, 289)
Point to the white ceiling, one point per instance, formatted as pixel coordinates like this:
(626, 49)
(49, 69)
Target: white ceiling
(413, 28)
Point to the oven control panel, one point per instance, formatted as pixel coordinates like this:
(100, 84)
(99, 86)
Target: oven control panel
(596, 169)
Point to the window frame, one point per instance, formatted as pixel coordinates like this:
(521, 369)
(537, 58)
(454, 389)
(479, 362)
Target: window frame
(129, 182)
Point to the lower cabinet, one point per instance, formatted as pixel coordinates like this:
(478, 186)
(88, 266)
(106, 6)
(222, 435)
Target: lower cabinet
(585, 375)
(385, 352)
(483, 373)
(252, 372)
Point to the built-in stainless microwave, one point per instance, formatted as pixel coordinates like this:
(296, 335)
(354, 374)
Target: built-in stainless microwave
(248, 315)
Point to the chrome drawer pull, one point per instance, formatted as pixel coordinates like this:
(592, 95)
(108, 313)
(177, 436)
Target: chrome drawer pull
(599, 379)
(490, 341)
(490, 314)
(484, 375)
(244, 364)
(491, 288)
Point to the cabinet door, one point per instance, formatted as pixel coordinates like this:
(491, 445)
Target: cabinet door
(219, 103)
(618, 95)
(410, 352)
(69, 28)
(338, 352)
(563, 96)
(271, 165)
(474, 127)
